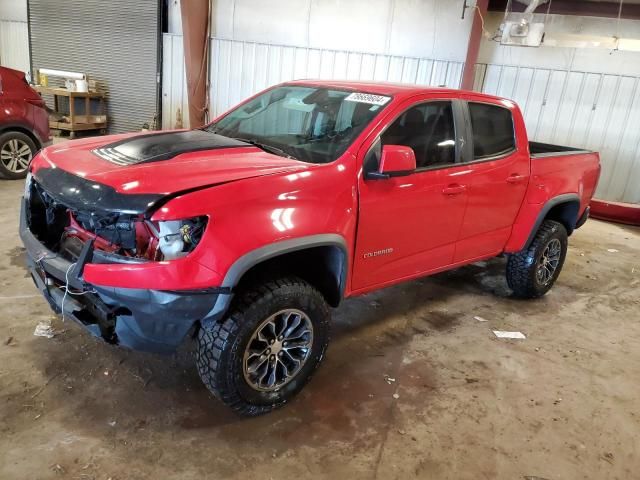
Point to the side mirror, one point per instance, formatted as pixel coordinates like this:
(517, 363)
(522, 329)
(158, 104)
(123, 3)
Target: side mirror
(396, 161)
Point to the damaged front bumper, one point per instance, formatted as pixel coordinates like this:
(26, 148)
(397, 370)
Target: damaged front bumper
(141, 319)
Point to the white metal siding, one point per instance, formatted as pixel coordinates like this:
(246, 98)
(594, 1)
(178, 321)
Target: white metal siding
(596, 111)
(174, 83)
(414, 28)
(114, 42)
(14, 45)
(240, 69)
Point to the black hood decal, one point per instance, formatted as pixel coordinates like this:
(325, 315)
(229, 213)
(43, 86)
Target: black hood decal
(163, 146)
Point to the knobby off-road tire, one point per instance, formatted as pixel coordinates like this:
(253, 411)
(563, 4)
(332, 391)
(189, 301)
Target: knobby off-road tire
(225, 346)
(532, 272)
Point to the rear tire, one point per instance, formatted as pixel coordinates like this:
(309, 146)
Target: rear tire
(16, 151)
(532, 272)
(226, 355)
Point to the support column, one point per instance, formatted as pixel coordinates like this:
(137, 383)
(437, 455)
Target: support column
(475, 37)
(195, 37)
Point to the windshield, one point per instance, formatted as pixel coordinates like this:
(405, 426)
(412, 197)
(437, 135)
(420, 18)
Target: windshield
(307, 123)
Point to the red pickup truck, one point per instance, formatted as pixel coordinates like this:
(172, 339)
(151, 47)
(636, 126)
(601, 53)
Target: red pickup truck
(243, 233)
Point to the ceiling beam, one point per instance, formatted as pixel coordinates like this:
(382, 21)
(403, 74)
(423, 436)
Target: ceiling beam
(575, 7)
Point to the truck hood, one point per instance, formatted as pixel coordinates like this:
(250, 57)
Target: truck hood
(162, 163)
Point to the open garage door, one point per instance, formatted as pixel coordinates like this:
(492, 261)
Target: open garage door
(115, 42)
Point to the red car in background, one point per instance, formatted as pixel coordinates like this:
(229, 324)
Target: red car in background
(24, 123)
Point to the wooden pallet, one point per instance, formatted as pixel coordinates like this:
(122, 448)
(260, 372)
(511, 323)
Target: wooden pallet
(74, 120)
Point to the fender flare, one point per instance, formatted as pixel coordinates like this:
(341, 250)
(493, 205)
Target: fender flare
(22, 128)
(555, 201)
(250, 259)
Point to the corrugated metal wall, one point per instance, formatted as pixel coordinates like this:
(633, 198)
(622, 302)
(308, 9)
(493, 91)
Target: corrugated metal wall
(174, 83)
(240, 69)
(596, 111)
(14, 45)
(114, 42)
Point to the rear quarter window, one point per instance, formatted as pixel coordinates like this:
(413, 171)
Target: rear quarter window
(493, 132)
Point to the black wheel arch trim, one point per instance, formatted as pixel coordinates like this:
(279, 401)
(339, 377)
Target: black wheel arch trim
(584, 217)
(22, 128)
(554, 202)
(249, 260)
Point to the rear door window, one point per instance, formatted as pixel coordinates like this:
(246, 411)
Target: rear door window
(493, 132)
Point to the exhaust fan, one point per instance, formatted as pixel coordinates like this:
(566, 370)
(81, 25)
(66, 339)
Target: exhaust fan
(519, 30)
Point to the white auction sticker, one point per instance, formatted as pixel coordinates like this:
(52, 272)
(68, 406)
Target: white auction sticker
(367, 98)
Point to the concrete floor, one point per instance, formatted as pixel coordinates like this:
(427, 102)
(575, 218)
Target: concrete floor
(562, 404)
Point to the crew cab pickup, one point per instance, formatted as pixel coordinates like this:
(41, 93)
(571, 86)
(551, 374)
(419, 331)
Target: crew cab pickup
(243, 233)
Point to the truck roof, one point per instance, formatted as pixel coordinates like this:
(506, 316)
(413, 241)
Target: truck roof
(384, 88)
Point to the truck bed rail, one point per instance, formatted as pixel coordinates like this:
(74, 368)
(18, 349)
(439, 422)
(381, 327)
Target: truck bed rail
(541, 150)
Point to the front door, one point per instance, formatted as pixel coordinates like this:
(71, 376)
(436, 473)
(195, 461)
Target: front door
(409, 225)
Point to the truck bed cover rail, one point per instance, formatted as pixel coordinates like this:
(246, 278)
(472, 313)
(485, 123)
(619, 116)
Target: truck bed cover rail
(542, 150)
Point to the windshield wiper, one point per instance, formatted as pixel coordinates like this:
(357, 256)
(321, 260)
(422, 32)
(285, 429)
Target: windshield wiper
(266, 148)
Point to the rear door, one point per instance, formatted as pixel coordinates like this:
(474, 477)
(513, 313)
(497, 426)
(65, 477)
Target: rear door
(409, 225)
(2, 96)
(497, 175)
(13, 108)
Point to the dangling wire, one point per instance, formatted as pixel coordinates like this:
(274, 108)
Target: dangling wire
(485, 32)
(67, 291)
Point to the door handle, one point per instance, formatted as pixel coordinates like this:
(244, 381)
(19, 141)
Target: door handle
(515, 178)
(454, 189)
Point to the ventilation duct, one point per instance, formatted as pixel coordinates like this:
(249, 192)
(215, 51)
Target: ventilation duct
(532, 5)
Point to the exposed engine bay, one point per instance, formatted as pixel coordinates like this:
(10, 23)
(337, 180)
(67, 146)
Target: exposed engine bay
(65, 229)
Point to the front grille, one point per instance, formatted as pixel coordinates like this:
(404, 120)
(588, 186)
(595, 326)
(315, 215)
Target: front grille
(46, 218)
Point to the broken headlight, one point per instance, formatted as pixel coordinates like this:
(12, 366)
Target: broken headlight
(176, 238)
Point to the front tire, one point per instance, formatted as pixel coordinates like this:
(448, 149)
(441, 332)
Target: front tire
(16, 152)
(532, 272)
(267, 348)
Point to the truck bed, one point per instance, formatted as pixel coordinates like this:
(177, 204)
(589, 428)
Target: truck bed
(557, 174)
(541, 150)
